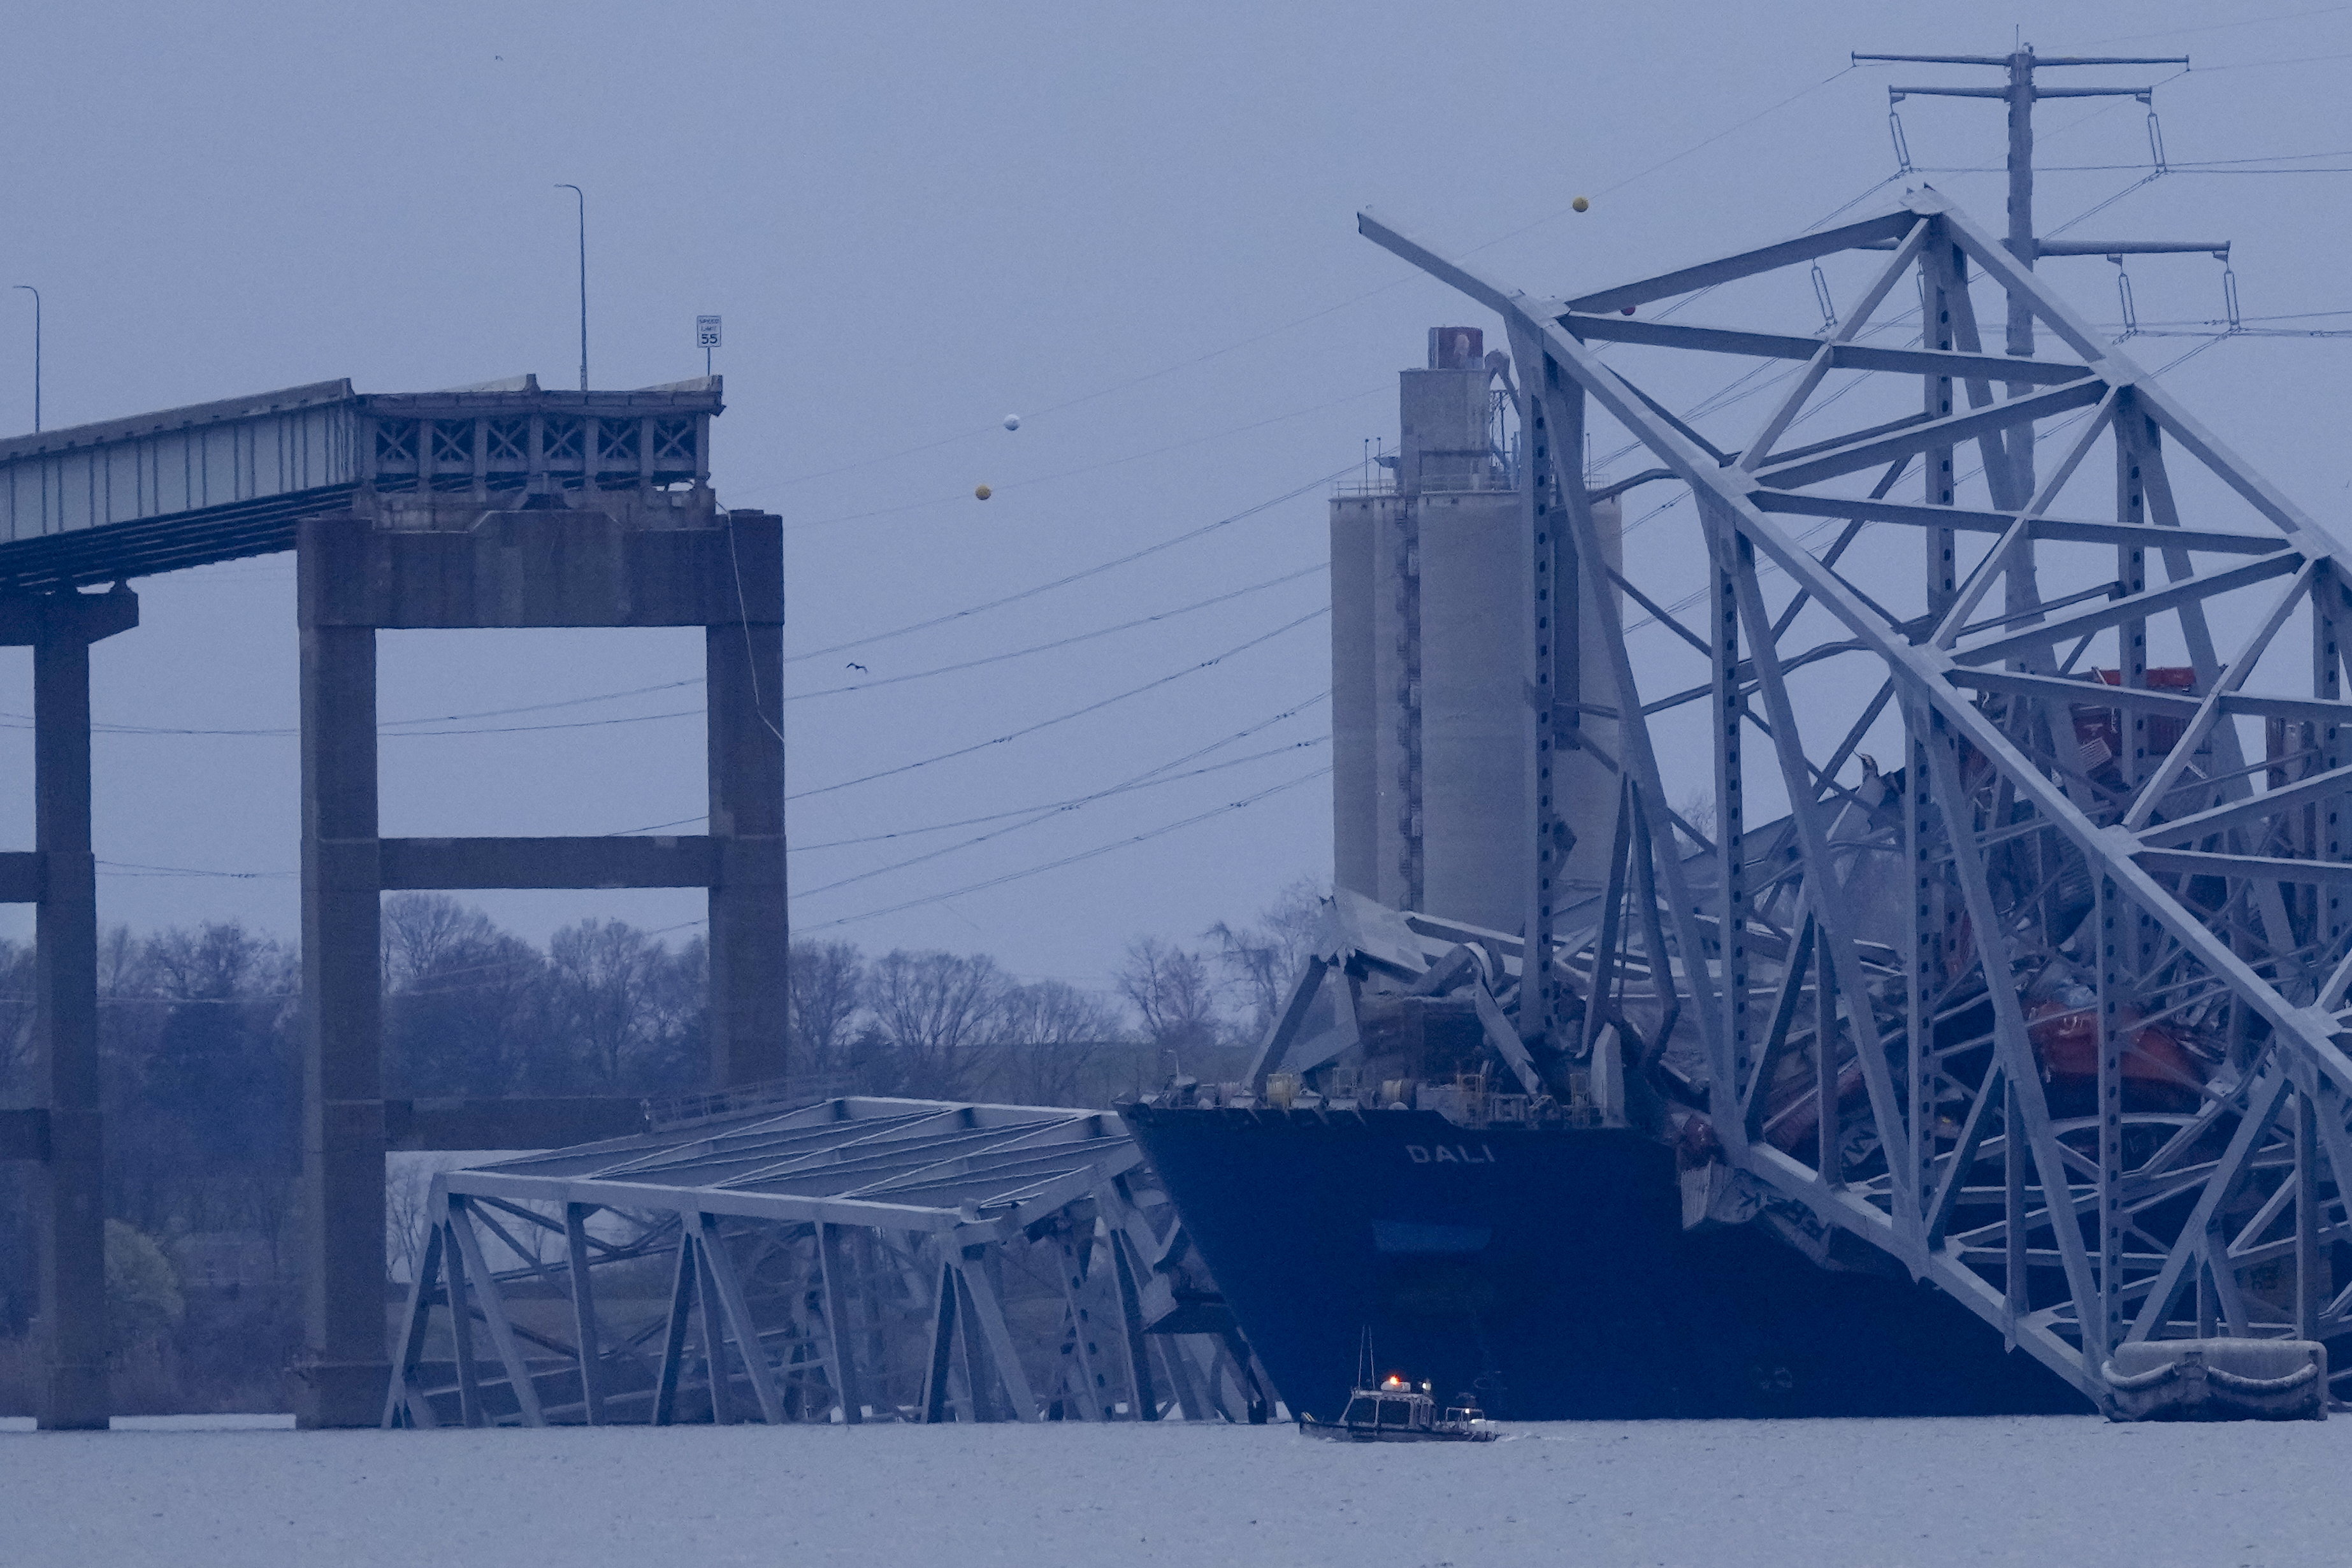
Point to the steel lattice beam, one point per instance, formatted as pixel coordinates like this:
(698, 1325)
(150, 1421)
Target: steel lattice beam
(2086, 857)
(856, 1260)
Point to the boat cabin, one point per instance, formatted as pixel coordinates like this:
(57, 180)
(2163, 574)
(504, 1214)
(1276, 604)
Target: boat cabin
(1396, 1405)
(1407, 1410)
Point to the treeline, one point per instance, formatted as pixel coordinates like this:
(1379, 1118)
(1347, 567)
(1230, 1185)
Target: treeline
(200, 1030)
(199, 1037)
(950, 1026)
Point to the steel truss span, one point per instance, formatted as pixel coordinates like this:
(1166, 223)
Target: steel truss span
(853, 1260)
(2054, 1013)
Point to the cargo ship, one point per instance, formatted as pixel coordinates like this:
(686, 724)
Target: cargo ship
(1490, 1244)
(1546, 1270)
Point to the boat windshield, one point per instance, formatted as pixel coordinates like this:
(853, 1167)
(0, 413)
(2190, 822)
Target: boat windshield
(1396, 1412)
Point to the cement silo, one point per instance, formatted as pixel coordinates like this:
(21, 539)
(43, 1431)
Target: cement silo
(1428, 585)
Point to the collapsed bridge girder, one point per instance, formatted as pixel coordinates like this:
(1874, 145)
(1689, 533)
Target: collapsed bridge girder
(2078, 941)
(852, 1261)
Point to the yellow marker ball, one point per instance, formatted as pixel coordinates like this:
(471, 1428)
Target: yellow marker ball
(1580, 204)
(982, 492)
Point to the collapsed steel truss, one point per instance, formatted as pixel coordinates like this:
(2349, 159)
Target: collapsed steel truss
(2053, 1014)
(857, 1260)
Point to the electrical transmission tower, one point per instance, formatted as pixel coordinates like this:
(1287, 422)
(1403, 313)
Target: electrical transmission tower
(2020, 92)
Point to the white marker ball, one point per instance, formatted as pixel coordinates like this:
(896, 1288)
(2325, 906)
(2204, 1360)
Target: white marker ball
(1012, 422)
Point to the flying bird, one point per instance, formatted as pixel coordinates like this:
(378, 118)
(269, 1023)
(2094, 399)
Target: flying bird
(859, 668)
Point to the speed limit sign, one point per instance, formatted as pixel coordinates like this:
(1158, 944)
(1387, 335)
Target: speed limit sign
(706, 332)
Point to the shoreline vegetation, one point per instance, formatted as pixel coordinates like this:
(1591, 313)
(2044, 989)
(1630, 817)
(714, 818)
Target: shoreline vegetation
(199, 1031)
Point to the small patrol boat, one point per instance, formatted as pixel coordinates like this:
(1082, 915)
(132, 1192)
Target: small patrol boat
(1394, 1411)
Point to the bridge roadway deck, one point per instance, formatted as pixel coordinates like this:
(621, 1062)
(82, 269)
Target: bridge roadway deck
(130, 497)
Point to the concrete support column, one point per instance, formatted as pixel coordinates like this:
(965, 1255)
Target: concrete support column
(71, 1217)
(749, 930)
(340, 1377)
(408, 564)
(62, 1132)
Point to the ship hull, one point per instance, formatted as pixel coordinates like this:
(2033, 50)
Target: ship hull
(1547, 1271)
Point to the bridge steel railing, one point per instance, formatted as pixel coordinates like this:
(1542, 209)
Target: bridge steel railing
(127, 497)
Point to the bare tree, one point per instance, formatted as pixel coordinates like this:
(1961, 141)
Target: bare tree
(938, 1013)
(1262, 962)
(1173, 993)
(1052, 1035)
(407, 1216)
(122, 961)
(828, 991)
(216, 962)
(424, 933)
(202, 1083)
(605, 973)
(680, 1017)
(466, 1003)
(1697, 808)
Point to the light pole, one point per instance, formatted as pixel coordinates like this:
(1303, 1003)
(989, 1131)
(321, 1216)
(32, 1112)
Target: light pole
(37, 353)
(583, 280)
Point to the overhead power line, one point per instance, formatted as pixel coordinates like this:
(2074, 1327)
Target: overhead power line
(1064, 581)
(139, 868)
(1066, 641)
(534, 707)
(964, 496)
(1139, 782)
(2219, 26)
(1057, 807)
(1075, 713)
(1151, 779)
(19, 721)
(1035, 815)
(1242, 734)
(1224, 809)
(2288, 61)
(1674, 159)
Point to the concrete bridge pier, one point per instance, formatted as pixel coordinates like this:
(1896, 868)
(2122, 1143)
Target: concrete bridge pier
(61, 1135)
(584, 558)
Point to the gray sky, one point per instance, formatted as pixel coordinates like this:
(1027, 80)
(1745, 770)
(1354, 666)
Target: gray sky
(1133, 229)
